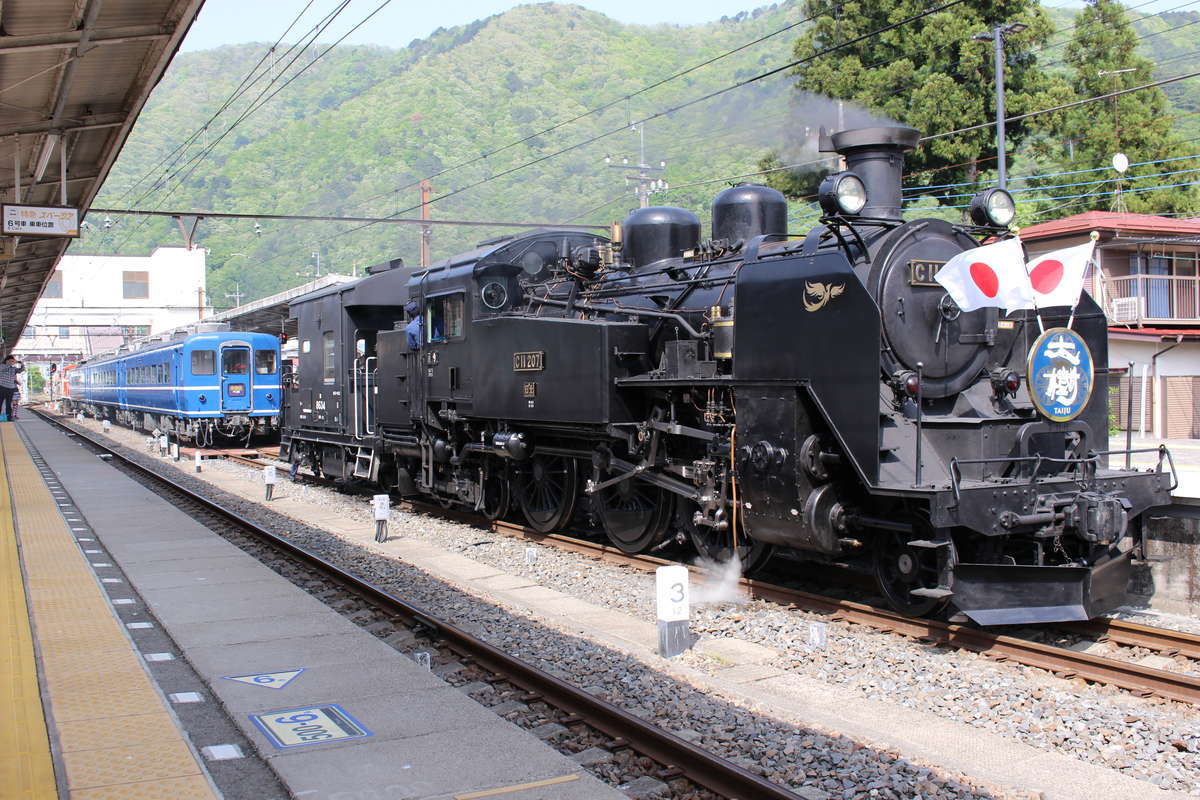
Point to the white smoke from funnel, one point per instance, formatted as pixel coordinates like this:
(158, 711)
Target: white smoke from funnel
(799, 142)
(719, 583)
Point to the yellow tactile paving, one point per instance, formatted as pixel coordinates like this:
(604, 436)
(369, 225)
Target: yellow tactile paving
(26, 767)
(115, 735)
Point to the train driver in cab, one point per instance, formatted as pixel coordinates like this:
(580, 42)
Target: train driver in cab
(413, 330)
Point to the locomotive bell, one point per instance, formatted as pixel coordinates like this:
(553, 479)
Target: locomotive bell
(876, 155)
(748, 210)
(658, 232)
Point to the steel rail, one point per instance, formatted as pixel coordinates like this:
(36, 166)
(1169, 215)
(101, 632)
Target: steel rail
(1133, 634)
(1136, 678)
(706, 769)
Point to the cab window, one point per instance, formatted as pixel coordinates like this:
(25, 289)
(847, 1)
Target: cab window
(264, 362)
(444, 318)
(204, 362)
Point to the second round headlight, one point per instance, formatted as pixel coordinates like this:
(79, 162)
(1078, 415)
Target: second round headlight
(994, 208)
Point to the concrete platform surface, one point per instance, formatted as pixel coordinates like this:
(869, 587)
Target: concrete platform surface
(407, 734)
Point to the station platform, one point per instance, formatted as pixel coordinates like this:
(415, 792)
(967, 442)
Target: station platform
(145, 656)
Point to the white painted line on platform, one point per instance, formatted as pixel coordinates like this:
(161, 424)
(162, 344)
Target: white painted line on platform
(222, 752)
(137, 626)
(93, 551)
(186, 697)
(159, 657)
(101, 564)
(111, 580)
(124, 601)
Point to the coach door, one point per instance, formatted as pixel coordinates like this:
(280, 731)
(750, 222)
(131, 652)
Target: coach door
(363, 383)
(236, 389)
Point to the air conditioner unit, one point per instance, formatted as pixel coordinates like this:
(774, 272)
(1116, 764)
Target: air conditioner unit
(1125, 309)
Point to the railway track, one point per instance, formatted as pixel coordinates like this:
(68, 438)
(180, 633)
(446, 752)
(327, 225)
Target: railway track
(1064, 662)
(677, 756)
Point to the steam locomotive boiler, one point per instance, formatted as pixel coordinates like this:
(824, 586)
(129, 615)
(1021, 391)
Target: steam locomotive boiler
(745, 393)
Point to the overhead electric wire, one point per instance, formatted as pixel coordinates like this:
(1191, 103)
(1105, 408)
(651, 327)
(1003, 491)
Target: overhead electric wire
(233, 96)
(602, 107)
(661, 113)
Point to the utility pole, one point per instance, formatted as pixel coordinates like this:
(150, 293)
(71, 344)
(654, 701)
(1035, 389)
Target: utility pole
(237, 294)
(317, 255)
(426, 230)
(644, 180)
(997, 35)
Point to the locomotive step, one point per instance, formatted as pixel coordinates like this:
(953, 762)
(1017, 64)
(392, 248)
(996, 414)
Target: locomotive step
(936, 594)
(927, 543)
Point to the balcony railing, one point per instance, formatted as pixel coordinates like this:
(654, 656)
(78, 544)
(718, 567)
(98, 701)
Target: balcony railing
(1145, 299)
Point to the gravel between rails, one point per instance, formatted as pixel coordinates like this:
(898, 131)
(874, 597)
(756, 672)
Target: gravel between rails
(1150, 739)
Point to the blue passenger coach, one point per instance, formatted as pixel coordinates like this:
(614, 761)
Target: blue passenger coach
(199, 386)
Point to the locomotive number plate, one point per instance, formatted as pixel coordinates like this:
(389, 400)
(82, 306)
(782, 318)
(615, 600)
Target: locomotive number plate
(920, 273)
(529, 390)
(534, 361)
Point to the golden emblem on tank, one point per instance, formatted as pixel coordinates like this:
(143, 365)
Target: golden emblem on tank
(821, 293)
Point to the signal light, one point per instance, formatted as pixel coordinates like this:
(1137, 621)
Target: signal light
(908, 382)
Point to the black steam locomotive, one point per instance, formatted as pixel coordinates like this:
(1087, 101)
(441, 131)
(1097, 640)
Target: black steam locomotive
(743, 393)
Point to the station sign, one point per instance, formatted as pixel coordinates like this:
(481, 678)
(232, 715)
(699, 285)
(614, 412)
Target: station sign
(19, 220)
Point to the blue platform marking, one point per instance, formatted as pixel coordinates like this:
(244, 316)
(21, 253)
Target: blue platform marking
(269, 680)
(299, 727)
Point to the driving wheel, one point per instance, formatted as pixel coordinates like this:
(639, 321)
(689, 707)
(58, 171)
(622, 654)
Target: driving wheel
(546, 490)
(636, 515)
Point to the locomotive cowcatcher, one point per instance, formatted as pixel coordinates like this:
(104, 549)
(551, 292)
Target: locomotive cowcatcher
(746, 393)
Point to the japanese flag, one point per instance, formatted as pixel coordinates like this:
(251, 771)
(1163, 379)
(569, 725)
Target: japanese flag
(992, 276)
(1057, 278)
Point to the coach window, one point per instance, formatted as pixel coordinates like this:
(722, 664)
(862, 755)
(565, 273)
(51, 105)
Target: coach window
(264, 362)
(235, 361)
(204, 362)
(329, 355)
(444, 318)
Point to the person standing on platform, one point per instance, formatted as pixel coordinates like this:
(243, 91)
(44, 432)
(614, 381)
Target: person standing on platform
(8, 384)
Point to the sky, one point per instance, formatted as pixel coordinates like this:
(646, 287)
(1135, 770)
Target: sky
(399, 22)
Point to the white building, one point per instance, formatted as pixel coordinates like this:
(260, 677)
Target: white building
(95, 303)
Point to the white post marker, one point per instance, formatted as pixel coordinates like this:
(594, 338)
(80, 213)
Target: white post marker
(382, 505)
(817, 634)
(674, 634)
(175, 451)
(106, 426)
(149, 444)
(79, 417)
(269, 480)
(163, 444)
(197, 459)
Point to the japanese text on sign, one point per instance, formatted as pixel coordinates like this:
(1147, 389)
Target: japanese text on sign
(40, 221)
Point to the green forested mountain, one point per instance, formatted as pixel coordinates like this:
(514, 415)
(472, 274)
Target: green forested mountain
(353, 133)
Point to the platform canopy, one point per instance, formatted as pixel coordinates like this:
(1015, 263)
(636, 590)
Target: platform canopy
(74, 75)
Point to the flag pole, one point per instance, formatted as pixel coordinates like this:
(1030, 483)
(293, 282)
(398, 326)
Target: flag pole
(1095, 236)
(1016, 232)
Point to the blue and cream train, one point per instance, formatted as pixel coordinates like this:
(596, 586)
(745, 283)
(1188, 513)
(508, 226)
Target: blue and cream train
(198, 387)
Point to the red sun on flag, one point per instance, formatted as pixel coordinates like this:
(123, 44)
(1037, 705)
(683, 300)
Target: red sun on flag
(1046, 276)
(985, 278)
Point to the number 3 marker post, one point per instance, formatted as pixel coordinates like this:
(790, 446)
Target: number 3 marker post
(674, 634)
(382, 504)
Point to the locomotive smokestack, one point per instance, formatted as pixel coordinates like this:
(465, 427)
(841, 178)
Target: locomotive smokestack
(877, 156)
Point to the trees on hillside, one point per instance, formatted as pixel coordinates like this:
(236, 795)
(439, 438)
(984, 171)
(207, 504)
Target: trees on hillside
(928, 73)
(1103, 59)
(931, 74)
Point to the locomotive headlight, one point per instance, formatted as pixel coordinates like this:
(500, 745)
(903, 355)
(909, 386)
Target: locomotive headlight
(842, 192)
(1005, 381)
(994, 208)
